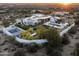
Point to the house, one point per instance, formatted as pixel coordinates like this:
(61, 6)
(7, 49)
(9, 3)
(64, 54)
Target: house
(58, 23)
(29, 21)
(61, 13)
(62, 24)
(35, 19)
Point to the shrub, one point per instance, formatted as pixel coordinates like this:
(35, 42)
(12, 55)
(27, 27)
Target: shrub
(41, 30)
(53, 51)
(26, 35)
(76, 50)
(32, 47)
(65, 40)
(54, 42)
(72, 30)
(6, 23)
(19, 52)
(11, 39)
(25, 27)
(77, 22)
(21, 45)
(53, 38)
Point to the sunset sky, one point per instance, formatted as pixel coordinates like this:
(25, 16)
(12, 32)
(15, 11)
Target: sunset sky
(39, 1)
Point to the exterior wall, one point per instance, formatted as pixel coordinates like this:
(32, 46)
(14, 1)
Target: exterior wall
(38, 41)
(66, 30)
(6, 32)
(25, 41)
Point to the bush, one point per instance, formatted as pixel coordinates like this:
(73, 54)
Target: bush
(54, 38)
(53, 51)
(6, 23)
(19, 52)
(32, 47)
(22, 26)
(77, 22)
(76, 50)
(11, 39)
(54, 42)
(26, 35)
(65, 40)
(72, 30)
(21, 45)
(41, 30)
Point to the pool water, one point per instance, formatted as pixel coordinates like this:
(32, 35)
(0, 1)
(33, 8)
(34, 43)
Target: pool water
(14, 30)
(17, 35)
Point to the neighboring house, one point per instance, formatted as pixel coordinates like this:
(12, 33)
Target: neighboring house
(61, 13)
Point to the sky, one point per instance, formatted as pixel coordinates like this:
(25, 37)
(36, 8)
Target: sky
(39, 1)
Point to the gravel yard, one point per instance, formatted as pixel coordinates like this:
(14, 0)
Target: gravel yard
(9, 49)
(68, 49)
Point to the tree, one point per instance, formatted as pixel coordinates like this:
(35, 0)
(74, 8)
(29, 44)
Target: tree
(76, 50)
(30, 30)
(54, 42)
(53, 37)
(26, 35)
(41, 30)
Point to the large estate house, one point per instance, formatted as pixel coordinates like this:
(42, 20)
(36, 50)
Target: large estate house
(63, 24)
(35, 19)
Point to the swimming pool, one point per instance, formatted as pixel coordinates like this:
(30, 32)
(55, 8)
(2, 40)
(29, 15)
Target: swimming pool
(14, 30)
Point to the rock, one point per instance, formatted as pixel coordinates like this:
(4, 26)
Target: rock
(77, 37)
(12, 49)
(2, 42)
(19, 52)
(5, 49)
